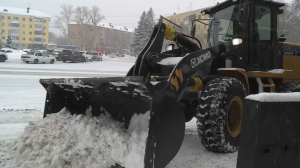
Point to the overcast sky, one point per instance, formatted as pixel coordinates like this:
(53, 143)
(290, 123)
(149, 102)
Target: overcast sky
(117, 12)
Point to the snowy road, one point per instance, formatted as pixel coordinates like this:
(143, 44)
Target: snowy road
(22, 101)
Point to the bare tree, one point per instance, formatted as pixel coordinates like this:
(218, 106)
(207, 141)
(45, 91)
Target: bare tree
(95, 15)
(62, 21)
(88, 21)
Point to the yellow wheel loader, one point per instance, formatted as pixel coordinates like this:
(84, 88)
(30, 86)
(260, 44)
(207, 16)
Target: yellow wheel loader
(245, 55)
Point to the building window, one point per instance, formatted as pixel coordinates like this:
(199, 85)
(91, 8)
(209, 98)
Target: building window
(44, 21)
(23, 26)
(3, 31)
(30, 20)
(9, 31)
(44, 40)
(30, 26)
(14, 30)
(38, 26)
(23, 39)
(38, 39)
(30, 33)
(17, 45)
(16, 18)
(30, 39)
(44, 34)
(38, 33)
(15, 37)
(44, 27)
(3, 37)
(9, 24)
(3, 24)
(38, 20)
(15, 24)
(23, 32)
(2, 17)
(8, 17)
(23, 45)
(23, 19)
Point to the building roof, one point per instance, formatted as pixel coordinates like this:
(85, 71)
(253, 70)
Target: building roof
(22, 11)
(107, 25)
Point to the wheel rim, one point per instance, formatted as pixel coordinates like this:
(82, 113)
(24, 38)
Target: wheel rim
(234, 116)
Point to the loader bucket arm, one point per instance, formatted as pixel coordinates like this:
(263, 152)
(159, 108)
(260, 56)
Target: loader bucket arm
(154, 45)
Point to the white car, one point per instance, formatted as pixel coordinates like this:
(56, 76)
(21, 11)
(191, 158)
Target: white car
(37, 57)
(3, 57)
(26, 50)
(87, 55)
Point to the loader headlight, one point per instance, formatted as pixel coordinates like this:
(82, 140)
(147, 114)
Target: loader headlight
(237, 41)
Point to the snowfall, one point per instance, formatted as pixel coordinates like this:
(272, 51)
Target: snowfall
(64, 141)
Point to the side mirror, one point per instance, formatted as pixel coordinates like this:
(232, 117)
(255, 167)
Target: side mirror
(193, 31)
(170, 47)
(282, 38)
(280, 11)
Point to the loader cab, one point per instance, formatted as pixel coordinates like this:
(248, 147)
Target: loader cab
(256, 23)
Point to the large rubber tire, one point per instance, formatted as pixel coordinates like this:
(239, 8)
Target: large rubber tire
(52, 61)
(219, 114)
(290, 87)
(36, 61)
(2, 58)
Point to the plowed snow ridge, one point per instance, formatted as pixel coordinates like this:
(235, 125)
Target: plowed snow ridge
(82, 141)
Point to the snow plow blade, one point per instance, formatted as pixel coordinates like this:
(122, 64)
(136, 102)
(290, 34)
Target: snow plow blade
(122, 97)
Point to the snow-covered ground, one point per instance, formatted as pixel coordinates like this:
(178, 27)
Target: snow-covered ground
(120, 64)
(22, 100)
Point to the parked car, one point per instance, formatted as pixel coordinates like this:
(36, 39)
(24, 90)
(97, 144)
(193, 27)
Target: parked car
(87, 55)
(71, 55)
(97, 56)
(3, 57)
(6, 50)
(57, 55)
(112, 55)
(26, 50)
(42, 51)
(37, 57)
(120, 55)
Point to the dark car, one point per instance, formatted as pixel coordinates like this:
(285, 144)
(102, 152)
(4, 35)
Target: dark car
(71, 55)
(57, 55)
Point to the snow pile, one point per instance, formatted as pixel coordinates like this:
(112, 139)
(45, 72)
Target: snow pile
(275, 97)
(63, 140)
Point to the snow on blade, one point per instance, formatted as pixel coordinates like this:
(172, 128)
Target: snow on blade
(277, 71)
(119, 83)
(275, 97)
(78, 84)
(170, 61)
(78, 141)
